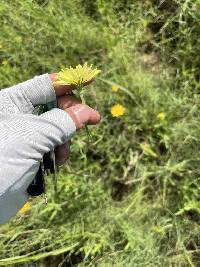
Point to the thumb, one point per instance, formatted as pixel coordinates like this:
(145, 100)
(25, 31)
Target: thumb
(83, 115)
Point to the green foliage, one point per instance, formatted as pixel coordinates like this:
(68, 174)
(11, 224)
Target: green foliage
(130, 198)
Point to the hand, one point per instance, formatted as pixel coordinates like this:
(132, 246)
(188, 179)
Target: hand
(80, 114)
(25, 137)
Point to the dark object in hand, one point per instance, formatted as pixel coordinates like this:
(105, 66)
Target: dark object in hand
(47, 166)
(37, 187)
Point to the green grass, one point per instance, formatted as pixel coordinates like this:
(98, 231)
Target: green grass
(131, 198)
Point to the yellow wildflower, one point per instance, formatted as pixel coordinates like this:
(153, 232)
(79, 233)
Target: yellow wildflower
(4, 62)
(77, 76)
(115, 88)
(24, 208)
(1, 46)
(117, 110)
(161, 116)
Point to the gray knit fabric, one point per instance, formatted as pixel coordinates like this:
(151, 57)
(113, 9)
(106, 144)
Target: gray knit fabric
(24, 138)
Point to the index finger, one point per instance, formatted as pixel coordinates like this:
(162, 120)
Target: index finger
(60, 89)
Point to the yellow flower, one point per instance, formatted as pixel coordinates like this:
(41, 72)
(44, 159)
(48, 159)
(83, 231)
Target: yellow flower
(161, 116)
(77, 76)
(24, 208)
(1, 46)
(117, 110)
(115, 88)
(4, 62)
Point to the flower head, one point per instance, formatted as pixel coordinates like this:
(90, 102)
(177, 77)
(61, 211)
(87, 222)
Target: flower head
(77, 76)
(161, 116)
(24, 208)
(115, 88)
(117, 110)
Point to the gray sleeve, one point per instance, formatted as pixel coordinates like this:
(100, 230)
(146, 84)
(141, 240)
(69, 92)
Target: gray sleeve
(22, 97)
(24, 138)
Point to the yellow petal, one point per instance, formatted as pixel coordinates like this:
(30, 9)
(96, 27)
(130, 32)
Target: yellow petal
(161, 116)
(77, 76)
(24, 209)
(115, 88)
(117, 110)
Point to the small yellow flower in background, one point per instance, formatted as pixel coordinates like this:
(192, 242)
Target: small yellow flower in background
(161, 116)
(4, 62)
(1, 46)
(117, 110)
(115, 88)
(24, 209)
(77, 76)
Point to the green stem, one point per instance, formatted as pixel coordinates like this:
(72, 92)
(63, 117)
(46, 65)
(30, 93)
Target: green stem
(82, 98)
(128, 92)
(86, 127)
